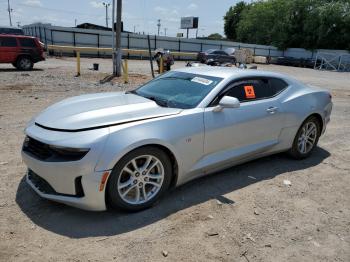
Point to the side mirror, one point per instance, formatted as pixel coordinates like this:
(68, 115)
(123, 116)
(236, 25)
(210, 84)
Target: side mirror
(227, 102)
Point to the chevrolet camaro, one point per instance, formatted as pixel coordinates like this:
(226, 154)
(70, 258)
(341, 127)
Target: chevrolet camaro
(126, 149)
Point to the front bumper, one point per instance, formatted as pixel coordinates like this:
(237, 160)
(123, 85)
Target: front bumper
(61, 178)
(92, 199)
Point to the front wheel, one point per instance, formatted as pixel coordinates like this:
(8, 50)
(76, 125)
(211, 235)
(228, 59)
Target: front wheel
(139, 179)
(24, 63)
(306, 138)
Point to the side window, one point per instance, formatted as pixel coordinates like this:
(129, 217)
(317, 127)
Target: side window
(218, 52)
(8, 42)
(249, 90)
(27, 42)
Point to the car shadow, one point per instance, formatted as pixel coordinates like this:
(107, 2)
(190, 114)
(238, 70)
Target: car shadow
(19, 71)
(76, 223)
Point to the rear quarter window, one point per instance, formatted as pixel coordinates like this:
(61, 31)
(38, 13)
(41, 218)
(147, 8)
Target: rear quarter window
(27, 42)
(277, 85)
(8, 42)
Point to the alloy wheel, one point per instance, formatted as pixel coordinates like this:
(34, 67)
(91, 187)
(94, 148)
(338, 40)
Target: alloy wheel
(25, 63)
(140, 179)
(307, 137)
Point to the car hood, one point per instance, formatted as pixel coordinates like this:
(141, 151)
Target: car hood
(93, 111)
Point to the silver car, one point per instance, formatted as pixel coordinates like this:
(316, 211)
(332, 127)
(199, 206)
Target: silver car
(125, 150)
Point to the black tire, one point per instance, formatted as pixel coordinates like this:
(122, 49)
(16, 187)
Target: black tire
(14, 65)
(295, 151)
(24, 63)
(114, 200)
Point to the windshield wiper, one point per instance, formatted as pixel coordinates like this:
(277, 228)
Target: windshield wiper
(159, 101)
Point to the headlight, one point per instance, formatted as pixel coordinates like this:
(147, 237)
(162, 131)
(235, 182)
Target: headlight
(68, 154)
(50, 153)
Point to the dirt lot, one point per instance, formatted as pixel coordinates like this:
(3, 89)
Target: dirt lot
(245, 213)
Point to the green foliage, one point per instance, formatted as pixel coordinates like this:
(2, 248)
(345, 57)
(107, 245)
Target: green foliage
(215, 36)
(308, 24)
(232, 17)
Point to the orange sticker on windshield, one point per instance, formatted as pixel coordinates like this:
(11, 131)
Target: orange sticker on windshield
(249, 92)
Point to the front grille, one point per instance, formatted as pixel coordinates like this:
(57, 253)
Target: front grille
(36, 148)
(43, 186)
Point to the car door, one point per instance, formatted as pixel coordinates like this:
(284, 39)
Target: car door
(235, 133)
(8, 49)
(224, 57)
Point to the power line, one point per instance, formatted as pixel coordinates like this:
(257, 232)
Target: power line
(57, 10)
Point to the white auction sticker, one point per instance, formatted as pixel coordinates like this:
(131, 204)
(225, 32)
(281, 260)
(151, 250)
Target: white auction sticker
(202, 80)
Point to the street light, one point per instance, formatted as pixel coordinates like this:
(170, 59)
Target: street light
(106, 5)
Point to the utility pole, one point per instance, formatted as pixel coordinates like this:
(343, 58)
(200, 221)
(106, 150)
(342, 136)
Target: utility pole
(135, 26)
(165, 31)
(75, 22)
(106, 5)
(158, 25)
(18, 24)
(113, 39)
(118, 38)
(9, 9)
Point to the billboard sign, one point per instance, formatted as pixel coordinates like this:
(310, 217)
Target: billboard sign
(189, 22)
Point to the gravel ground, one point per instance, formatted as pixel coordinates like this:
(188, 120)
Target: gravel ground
(245, 213)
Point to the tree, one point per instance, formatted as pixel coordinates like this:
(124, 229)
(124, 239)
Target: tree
(232, 18)
(308, 24)
(215, 36)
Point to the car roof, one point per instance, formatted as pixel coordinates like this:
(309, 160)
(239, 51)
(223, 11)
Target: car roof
(18, 36)
(229, 72)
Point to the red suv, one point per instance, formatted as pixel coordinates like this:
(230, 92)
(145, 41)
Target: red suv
(21, 51)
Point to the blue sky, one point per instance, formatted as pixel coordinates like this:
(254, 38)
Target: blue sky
(142, 14)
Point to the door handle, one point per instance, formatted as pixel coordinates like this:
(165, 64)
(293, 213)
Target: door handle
(272, 109)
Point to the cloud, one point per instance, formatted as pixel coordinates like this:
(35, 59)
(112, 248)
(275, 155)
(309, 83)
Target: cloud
(33, 2)
(175, 12)
(192, 6)
(161, 10)
(96, 4)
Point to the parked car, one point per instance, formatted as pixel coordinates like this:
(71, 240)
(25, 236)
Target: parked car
(215, 56)
(9, 30)
(297, 62)
(125, 150)
(21, 51)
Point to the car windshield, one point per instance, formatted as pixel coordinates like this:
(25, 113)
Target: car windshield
(178, 89)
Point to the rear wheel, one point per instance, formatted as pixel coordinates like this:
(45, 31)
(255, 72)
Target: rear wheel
(306, 138)
(24, 63)
(139, 179)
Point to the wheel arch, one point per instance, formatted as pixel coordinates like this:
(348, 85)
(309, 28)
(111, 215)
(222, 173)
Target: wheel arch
(166, 149)
(319, 118)
(24, 55)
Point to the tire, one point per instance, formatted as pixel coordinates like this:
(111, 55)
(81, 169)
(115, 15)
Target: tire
(128, 188)
(14, 65)
(306, 140)
(24, 63)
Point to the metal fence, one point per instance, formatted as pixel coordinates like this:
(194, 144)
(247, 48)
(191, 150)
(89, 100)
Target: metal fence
(56, 35)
